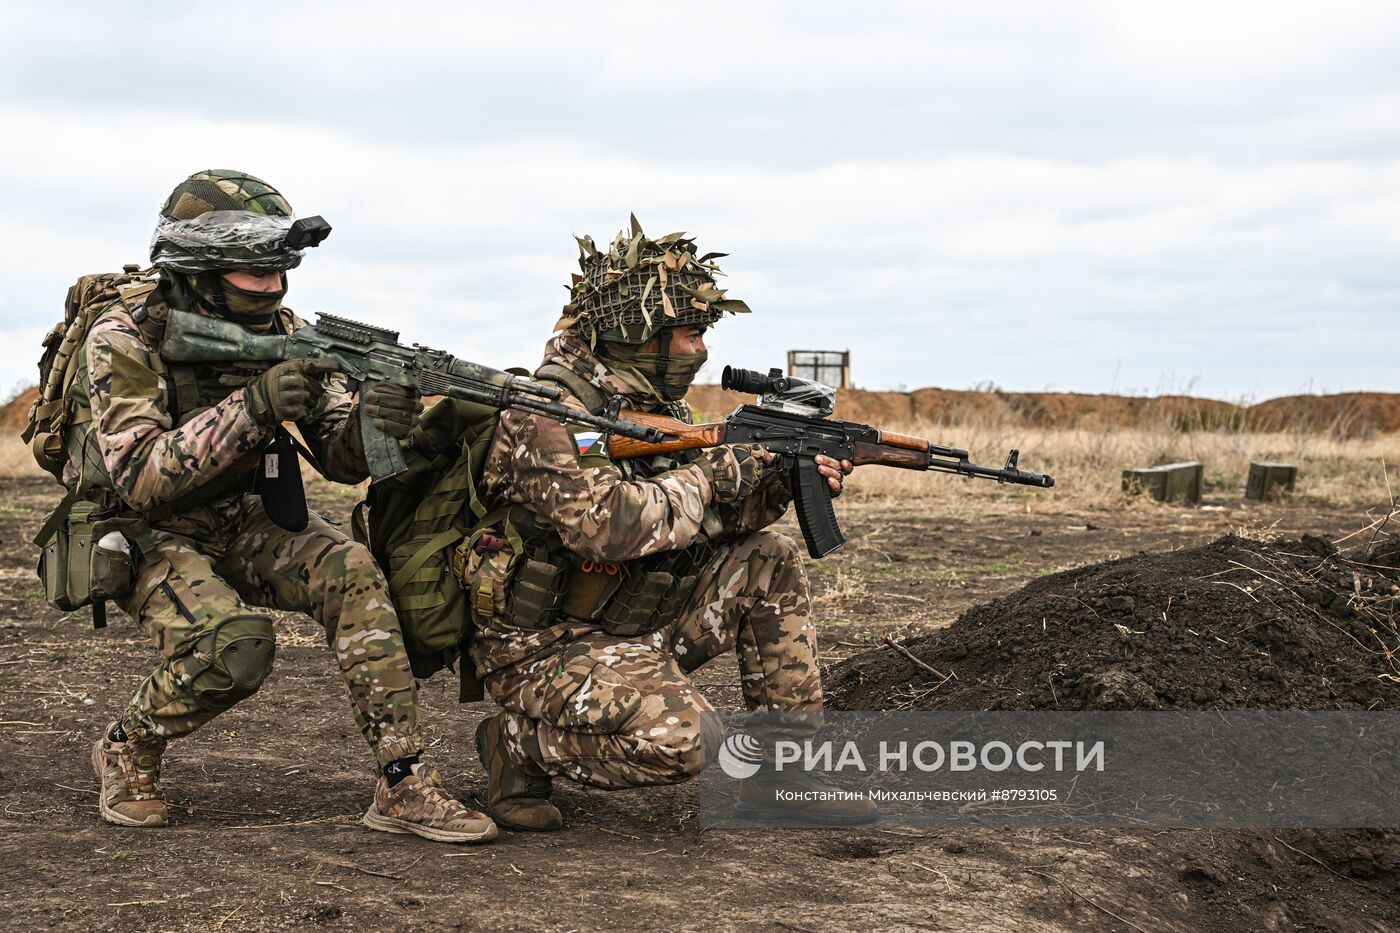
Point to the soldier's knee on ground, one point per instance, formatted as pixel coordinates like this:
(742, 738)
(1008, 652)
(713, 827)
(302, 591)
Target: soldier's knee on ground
(231, 660)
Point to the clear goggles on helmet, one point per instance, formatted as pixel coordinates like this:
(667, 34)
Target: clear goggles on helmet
(227, 239)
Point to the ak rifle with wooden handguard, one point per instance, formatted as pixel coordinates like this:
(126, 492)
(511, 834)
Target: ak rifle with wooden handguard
(793, 421)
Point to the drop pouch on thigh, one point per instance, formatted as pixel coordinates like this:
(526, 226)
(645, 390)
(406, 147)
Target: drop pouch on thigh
(85, 557)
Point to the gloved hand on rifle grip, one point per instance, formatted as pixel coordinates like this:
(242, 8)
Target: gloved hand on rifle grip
(288, 391)
(392, 409)
(733, 469)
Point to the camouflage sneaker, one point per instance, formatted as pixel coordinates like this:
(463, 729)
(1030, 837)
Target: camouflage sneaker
(778, 796)
(516, 797)
(419, 805)
(130, 777)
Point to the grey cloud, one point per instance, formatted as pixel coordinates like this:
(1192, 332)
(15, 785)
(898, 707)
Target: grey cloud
(1023, 193)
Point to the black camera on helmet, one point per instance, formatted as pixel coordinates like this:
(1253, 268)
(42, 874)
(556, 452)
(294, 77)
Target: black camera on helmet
(306, 232)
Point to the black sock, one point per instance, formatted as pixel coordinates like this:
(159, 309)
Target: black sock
(118, 734)
(399, 769)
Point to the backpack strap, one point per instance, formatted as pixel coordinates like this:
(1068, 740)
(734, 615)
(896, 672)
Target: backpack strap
(580, 388)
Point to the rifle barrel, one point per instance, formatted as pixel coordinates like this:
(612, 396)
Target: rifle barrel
(1019, 477)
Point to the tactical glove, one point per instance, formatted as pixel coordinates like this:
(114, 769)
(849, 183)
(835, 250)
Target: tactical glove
(734, 470)
(392, 409)
(287, 391)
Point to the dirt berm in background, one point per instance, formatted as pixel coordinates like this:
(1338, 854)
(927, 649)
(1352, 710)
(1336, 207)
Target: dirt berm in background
(1235, 624)
(1345, 415)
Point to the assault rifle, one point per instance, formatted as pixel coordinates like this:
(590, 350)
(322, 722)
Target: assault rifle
(367, 355)
(793, 421)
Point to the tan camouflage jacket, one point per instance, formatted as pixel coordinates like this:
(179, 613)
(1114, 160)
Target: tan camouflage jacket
(152, 461)
(562, 475)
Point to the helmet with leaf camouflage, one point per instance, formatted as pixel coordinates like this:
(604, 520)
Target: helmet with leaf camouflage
(640, 286)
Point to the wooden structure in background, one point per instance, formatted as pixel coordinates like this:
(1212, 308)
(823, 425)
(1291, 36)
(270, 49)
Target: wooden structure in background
(1173, 482)
(829, 367)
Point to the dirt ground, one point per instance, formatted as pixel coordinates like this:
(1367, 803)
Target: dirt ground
(266, 799)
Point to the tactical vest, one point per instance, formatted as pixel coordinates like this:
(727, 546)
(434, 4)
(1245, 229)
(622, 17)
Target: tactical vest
(190, 391)
(85, 555)
(627, 599)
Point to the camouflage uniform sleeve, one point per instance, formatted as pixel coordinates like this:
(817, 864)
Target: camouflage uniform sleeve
(151, 461)
(332, 432)
(535, 462)
(761, 508)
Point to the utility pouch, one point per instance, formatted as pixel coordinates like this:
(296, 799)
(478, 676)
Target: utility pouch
(537, 591)
(53, 565)
(636, 608)
(84, 556)
(653, 599)
(113, 571)
(591, 585)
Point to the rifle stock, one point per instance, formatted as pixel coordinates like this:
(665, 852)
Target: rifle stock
(680, 436)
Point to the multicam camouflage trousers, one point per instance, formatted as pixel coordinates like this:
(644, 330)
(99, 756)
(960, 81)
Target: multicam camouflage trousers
(194, 600)
(616, 712)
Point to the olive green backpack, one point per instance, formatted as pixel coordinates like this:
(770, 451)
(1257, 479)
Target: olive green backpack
(413, 523)
(85, 544)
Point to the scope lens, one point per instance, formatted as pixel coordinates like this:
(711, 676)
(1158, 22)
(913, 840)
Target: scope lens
(745, 380)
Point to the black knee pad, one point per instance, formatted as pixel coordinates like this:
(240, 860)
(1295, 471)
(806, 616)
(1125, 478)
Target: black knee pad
(239, 650)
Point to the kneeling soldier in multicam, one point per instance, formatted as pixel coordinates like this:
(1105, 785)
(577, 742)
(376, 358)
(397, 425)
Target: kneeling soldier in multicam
(598, 586)
(179, 446)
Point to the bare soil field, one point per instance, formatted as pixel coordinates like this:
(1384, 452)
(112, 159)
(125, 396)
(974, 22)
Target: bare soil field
(266, 800)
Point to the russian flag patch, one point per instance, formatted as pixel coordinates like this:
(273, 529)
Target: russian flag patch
(587, 440)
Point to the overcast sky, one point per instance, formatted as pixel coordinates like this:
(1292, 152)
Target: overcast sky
(1094, 197)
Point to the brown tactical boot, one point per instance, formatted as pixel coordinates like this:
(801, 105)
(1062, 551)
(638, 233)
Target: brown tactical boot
(802, 797)
(130, 777)
(516, 797)
(418, 804)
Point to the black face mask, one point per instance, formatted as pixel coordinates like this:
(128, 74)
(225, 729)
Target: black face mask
(240, 305)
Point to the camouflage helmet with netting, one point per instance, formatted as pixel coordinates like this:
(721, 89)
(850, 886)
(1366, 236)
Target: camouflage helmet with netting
(222, 218)
(640, 286)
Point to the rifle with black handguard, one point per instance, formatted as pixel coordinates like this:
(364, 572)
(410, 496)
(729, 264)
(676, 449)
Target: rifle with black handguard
(793, 421)
(368, 355)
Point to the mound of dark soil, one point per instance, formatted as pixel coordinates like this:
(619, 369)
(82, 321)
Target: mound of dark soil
(1236, 624)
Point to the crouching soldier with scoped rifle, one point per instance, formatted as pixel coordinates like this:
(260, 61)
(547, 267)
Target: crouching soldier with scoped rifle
(603, 572)
(185, 504)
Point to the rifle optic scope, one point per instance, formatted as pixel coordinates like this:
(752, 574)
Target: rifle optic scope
(753, 382)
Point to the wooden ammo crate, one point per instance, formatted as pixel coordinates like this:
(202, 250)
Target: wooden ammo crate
(1172, 482)
(1268, 480)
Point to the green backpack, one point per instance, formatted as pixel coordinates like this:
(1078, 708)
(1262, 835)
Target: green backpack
(412, 524)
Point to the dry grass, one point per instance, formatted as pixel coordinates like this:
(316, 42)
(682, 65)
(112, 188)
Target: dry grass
(16, 460)
(1088, 464)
